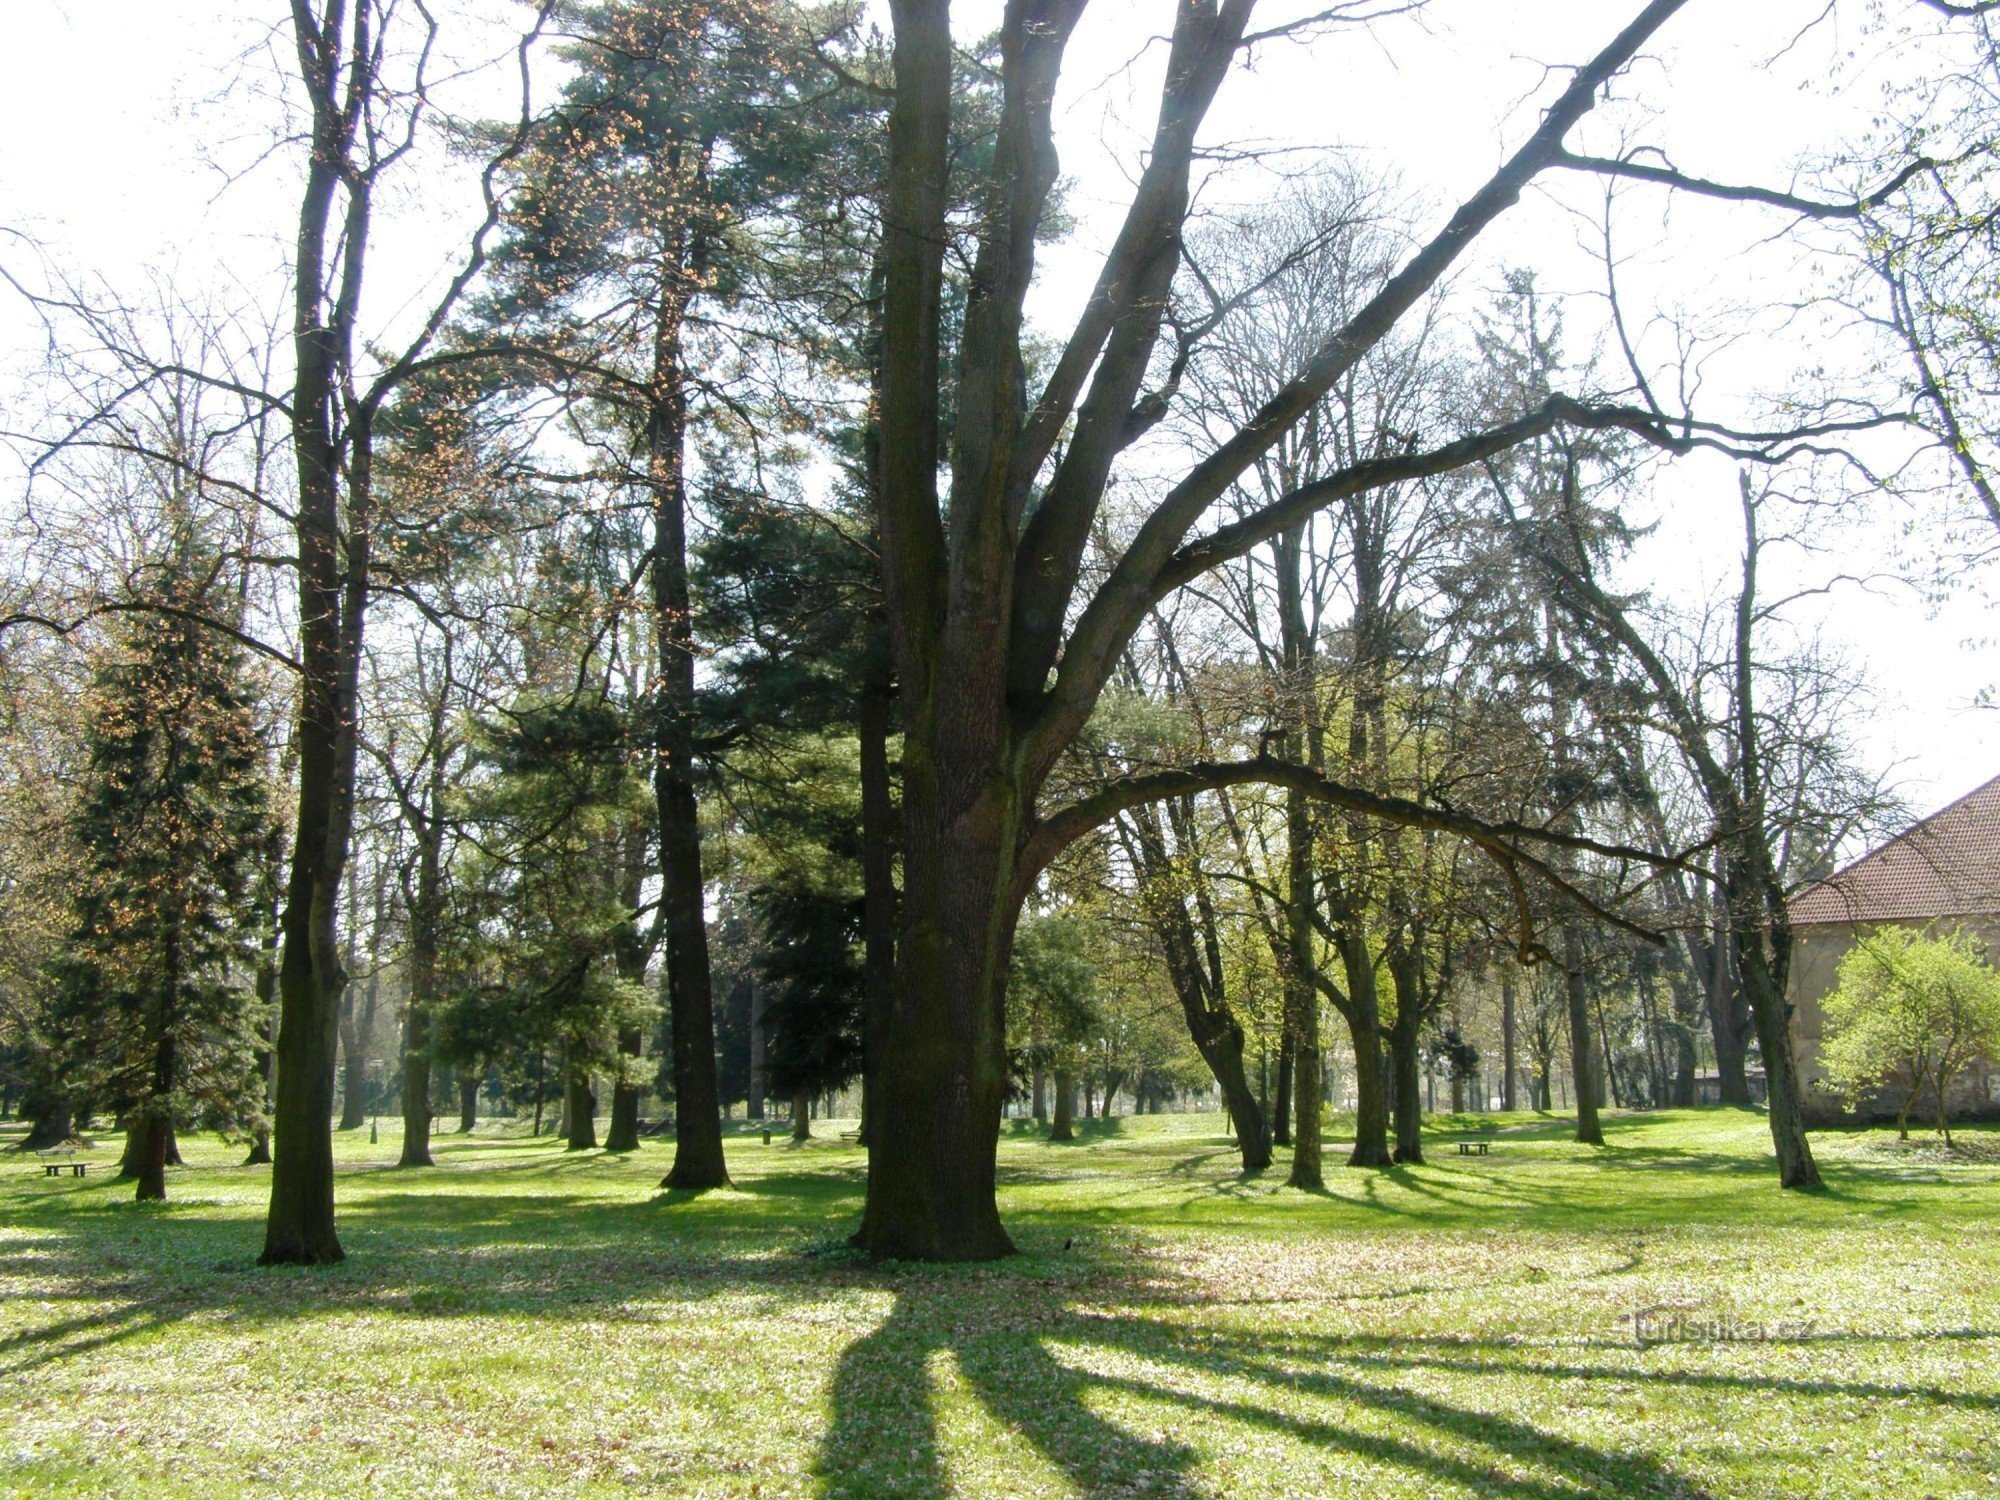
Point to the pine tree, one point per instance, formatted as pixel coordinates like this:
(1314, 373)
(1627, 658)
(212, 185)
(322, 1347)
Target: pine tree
(156, 1015)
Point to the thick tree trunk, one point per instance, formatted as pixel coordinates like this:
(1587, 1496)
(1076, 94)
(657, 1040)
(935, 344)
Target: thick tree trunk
(468, 1103)
(52, 1121)
(1407, 1074)
(943, 1065)
(579, 1111)
(1059, 1127)
(134, 1149)
(1364, 1028)
(416, 1097)
(802, 1115)
(148, 1155)
(1507, 1039)
(1246, 1118)
(1582, 1054)
(623, 1132)
(1307, 1171)
(299, 1229)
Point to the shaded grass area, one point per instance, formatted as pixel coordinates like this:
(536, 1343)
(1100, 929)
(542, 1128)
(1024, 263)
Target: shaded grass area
(525, 1321)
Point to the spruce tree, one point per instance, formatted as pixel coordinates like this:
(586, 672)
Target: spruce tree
(157, 1016)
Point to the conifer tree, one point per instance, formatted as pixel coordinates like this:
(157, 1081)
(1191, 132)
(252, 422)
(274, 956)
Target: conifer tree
(157, 1015)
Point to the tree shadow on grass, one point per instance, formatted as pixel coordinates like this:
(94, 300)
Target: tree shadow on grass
(1102, 1365)
(1077, 1378)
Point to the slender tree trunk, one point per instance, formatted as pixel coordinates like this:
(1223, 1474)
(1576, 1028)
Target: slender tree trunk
(1582, 1055)
(1607, 1074)
(333, 581)
(878, 870)
(1039, 1089)
(1281, 1117)
(1194, 966)
(352, 1115)
(760, 1074)
(1059, 1127)
(468, 1103)
(632, 953)
(1725, 1011)
(424, 914)
(267, 994)
(802, 1115)
(1406, 1053)
(1507, 1039)
(1301, 998)
(1687, 1015)
(354, 1100)
(698, 1158)
(1763, 974)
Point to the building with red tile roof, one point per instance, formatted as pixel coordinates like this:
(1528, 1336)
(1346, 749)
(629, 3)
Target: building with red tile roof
(1942, 874)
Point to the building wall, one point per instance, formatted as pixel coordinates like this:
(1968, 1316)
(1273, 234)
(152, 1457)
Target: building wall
(1816, 972)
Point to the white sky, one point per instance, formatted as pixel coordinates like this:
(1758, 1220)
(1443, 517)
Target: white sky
(121, 121)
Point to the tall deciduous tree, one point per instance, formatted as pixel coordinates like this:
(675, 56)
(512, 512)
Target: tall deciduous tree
(987, 506)
(361, 122)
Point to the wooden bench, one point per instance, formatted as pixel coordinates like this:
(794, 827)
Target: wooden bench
(57, 1168)
(1472, 1148)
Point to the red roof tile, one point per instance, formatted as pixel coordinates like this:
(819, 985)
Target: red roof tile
(1948, 865)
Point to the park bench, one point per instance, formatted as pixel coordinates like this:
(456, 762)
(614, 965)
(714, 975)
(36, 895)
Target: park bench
(1472, 1148)
(58, 1167)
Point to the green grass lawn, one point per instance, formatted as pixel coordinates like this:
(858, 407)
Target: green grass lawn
(522, 1321)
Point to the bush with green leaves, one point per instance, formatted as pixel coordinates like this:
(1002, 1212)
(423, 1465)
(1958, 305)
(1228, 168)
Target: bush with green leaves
(1910, 1013)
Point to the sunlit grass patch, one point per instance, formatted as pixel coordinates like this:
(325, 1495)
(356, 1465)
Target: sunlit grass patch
(1547, 1321)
